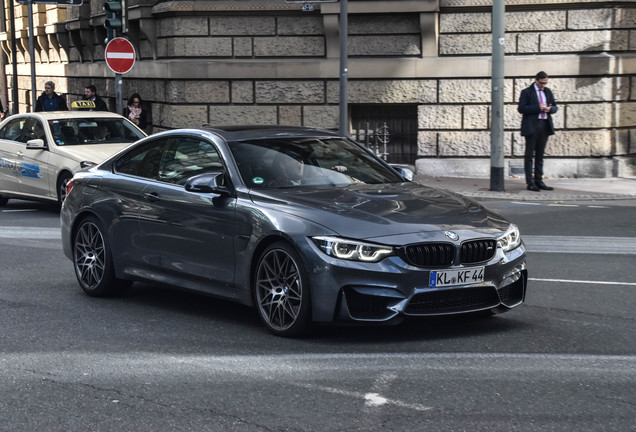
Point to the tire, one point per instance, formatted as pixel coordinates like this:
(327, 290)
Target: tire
(281, 291)
(3, 201)
(93, 262)
(61, 186)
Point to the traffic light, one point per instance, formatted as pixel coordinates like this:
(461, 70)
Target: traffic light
(116, 17)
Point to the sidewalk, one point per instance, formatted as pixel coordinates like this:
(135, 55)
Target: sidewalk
(566, 189)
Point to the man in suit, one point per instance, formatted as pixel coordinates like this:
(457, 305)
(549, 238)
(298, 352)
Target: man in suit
(90, 93)
(536, 103)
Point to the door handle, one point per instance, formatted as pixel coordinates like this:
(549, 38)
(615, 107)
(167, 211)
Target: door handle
(20, 154)
(152, 196)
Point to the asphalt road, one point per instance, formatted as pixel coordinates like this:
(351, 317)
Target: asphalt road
(164, 360)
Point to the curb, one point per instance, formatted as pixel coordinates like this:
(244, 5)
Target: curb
(565, 189)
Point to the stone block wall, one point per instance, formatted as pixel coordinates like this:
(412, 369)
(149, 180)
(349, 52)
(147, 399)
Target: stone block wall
(263, 62)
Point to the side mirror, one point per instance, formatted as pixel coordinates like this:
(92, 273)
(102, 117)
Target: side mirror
(35, 144)
(208, 183)
(404, 172)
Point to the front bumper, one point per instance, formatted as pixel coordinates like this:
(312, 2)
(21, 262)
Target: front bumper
(392, 290)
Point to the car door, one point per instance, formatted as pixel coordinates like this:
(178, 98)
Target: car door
(133, 171)
(10, 147)
(36, 176)
(186, 234)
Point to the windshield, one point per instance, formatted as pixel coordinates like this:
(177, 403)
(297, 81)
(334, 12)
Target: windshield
(296, 162)
(83, 131)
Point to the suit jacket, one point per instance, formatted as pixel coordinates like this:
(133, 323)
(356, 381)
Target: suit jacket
(100, 105)
(61, 102)
(529, 107)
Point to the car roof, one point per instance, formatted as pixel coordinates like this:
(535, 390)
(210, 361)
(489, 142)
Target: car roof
(248, 132)
(55, 115)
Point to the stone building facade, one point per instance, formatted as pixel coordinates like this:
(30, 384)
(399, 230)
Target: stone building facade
(419, 72)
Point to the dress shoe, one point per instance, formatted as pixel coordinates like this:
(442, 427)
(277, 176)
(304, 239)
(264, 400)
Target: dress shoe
(533, 188)
(544, 186)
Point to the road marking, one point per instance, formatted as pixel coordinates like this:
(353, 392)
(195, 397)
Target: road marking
(371, 399)
(583, 282)
(580, 244)
(556, 204)
(374, 399)
(19, 210)
(524, 203)
(313, 365)
(34, 233)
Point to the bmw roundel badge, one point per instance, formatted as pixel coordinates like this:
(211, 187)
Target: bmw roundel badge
(451, 235)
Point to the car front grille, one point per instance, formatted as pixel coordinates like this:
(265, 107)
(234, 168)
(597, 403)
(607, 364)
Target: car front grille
(452, 300)
(429, 254)
(477, 251)
(443, 254)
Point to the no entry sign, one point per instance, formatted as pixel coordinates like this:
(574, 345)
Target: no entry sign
(120, 55)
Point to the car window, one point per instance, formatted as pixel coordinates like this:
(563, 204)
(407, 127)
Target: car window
(33, 129)
(291, 162)
(142, 161)
(93, 131)
(13, 129)
(171, 160)
(186, 157)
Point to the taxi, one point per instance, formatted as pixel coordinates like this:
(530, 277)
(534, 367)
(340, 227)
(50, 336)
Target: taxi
(40, 152)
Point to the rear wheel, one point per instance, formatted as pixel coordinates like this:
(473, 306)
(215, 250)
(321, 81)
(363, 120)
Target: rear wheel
(281, 291)
(93, 261)
(61, 186)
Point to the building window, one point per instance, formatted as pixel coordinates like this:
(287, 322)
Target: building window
(388, 130)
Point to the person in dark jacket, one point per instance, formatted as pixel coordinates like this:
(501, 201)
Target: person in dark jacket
(135, 112)
(90, 93)
(49, 100)
(537, 105)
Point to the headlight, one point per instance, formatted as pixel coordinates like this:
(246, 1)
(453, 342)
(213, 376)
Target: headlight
(510, 240)
(352, 250)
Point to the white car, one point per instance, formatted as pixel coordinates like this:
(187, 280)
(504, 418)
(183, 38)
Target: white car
(40, 152)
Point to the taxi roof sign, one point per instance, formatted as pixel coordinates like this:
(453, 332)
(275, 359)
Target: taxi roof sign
(82, 104)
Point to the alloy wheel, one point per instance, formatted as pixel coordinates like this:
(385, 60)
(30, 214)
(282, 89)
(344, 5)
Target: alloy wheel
(279, 290)
(90, 255)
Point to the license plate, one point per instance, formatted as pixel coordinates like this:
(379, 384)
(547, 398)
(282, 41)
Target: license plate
(440, 278)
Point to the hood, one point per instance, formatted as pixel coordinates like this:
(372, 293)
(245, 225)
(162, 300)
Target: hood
(90, 152)
(387, 210)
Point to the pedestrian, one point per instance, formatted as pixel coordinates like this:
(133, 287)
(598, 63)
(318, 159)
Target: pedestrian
(49, 100)
(90, 93)
(537, 105)
(135, 112)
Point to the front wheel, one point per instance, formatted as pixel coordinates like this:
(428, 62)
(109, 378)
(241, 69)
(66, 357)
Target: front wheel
(93, 261)
(282, 292)
(61, 186)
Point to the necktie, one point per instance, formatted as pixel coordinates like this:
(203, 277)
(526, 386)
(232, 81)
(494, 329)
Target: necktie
(542, 101)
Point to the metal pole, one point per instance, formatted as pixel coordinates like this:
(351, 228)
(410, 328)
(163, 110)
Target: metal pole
(118, 93)
(497, 126)
(32, 56)
(344, 112)
(14, 61)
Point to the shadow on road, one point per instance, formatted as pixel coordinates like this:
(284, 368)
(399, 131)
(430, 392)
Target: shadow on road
(173, 302)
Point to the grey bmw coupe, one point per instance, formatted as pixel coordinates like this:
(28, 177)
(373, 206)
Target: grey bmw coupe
(304, 224)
